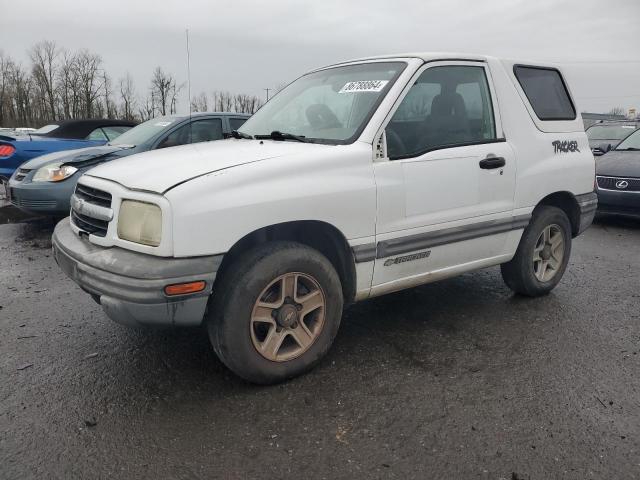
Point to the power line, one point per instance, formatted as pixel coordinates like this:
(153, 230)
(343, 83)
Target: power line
(609, 96)
(597, 61)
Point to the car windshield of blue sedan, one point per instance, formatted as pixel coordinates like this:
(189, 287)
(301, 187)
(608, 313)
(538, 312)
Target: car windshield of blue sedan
(632, 142)
(327, 106)
(144, 132)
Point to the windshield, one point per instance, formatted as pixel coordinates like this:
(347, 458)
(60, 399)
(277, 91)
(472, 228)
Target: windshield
(631, 142)
(46, 129)
(328, 106)
(145, 131)
(609, 132)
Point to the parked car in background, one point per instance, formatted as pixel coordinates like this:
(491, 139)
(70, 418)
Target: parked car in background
(356, 180)
(16, 148)
(618, 179)
(604, 136)
(45, 184)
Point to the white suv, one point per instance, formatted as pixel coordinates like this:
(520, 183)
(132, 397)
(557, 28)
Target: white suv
(356, 180)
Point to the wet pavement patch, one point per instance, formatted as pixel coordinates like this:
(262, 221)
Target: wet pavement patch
(457, 379)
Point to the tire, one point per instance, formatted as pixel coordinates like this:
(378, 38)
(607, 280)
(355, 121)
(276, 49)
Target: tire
(240, 328)
(533, 278)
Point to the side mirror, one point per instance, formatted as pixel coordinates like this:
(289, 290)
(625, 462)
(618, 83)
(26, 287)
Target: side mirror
(605, 147)
(601, 149)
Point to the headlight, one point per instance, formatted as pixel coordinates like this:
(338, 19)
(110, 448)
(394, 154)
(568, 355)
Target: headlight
(140, 222)
(54, 172)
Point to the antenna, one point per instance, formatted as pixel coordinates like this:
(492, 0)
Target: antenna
(189, 81)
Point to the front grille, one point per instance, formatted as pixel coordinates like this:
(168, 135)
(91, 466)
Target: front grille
(22, 172)
(86, 222)
(611, 183)
(93, 195)
(33, 204)
(89, 224)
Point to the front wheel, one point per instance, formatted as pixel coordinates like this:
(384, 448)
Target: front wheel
(275, 312)
(542, 255)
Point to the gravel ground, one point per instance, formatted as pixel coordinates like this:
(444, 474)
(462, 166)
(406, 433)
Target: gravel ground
(459, 379)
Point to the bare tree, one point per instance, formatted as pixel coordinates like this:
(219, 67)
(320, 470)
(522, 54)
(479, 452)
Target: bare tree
(109, 106)
(200, 103)
(67, 85)
(6, 67)
(222, 101)
(44, 57)
(127, 97)
(89, 67)
(147, 109)
(617, 111)
(163, 87)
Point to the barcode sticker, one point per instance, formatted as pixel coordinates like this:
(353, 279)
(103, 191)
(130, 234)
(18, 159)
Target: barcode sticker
(364, 86)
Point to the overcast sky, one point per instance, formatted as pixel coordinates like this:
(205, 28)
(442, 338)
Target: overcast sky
(246, 46)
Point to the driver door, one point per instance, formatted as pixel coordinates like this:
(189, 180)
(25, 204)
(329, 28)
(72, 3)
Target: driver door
(446, 185)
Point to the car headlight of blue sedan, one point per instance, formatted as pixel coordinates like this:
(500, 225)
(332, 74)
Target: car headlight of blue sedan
(54, 172)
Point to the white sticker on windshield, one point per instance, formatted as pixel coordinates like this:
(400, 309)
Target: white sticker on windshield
(629, 126)
(162, 124)
(364, 86)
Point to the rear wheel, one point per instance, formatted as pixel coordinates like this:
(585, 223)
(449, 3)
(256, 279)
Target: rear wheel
(275, 312)
(542, 255)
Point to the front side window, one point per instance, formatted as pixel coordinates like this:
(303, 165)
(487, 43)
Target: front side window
(328, 106)
(447, 106)
(205, 130)
(546, 92)
(632, 142)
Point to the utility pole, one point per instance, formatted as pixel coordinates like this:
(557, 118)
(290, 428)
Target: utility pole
(268, 90)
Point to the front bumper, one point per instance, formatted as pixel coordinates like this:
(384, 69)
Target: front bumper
(612, 202)
(130, 286)
(50, 198)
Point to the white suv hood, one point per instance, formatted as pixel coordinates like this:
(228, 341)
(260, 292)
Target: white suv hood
(159, 170)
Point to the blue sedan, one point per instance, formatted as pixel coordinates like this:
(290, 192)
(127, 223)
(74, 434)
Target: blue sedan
(16, 147)
(45, 184)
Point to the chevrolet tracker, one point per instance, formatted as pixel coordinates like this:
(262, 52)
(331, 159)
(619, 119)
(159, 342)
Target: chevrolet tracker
(356, 180)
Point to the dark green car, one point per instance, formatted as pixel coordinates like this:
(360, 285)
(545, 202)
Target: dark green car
(44, 185)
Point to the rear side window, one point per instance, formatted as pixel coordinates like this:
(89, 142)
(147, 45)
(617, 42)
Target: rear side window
(97, 134)
(546, 91)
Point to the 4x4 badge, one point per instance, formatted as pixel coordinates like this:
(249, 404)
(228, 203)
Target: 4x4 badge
(407, 258)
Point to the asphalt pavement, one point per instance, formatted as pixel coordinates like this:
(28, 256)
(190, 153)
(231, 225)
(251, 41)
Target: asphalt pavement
(455, 380)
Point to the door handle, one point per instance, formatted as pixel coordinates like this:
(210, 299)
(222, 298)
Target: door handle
(492, 162)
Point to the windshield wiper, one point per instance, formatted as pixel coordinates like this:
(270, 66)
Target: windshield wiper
(277, 135)
(237, 134)
(123, 147)
(628, 149)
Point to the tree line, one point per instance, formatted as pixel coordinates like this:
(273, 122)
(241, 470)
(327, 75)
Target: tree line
(60, 84)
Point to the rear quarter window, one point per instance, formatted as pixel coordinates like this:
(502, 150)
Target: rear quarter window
(546, 91)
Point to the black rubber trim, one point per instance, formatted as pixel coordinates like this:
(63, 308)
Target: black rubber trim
(421, 241)
(364, 253)
(443, 147)
(588, 203)
(516, 67)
